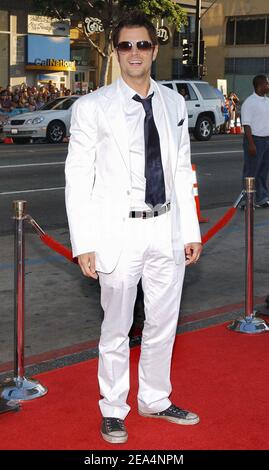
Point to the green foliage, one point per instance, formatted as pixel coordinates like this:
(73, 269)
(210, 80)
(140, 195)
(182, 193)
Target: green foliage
(110, 11)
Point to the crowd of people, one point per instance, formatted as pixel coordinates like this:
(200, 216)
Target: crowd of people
(26, 98)
(231, 110)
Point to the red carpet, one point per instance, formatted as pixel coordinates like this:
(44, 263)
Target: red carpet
(221, 375)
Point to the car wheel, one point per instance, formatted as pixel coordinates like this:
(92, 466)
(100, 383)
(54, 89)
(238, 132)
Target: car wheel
(203, 129)
(22, 140)
(56, 132)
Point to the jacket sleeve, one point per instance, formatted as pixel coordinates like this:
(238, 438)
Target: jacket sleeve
(80, 174)
(184, 184)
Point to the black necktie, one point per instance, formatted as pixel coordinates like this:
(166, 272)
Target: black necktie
(155, 187)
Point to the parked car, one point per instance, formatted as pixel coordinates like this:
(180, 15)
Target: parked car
(52, 122)
(4, 116)
(204, 107)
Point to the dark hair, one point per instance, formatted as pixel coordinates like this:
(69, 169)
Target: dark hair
(259, 80)
(134, 19)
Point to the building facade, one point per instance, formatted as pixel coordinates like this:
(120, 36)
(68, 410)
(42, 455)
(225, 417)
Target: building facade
(33, 49)
(236, 34)
(36, 49)
(169, 63)
(12, 42)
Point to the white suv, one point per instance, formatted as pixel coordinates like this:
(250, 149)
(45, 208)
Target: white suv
(204, 108)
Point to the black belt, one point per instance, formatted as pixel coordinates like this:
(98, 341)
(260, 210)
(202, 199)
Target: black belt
(261, 137)
(148, 214)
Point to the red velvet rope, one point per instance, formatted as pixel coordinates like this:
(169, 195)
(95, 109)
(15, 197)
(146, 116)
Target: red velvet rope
(219, 225)
(56, 246)
(62, 250)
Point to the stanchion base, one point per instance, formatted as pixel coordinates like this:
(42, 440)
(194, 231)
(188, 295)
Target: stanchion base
(249, 324)
(23, 389)
(6, 406)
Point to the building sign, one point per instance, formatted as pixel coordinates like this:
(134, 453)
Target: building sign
(163, 34)
(49, 26)
(56, 65)
(49, 53)
(93, 25)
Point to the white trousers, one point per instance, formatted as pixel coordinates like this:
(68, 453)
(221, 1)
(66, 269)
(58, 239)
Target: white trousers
(147, 254)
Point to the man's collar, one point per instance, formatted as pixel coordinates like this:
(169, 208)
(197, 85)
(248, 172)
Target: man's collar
(259, 96)
(129, 92)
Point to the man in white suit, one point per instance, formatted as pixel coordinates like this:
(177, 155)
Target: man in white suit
(132, 215)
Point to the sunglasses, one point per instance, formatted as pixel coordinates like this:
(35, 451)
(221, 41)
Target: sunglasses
(127, 46)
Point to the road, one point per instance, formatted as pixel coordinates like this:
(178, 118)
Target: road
(63, 311)
(35, 173)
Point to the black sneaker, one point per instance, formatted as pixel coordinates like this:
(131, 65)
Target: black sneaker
(113, 430)
(174, 414)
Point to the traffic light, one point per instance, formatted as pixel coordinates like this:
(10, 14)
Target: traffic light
(186, 52)
(202, 52)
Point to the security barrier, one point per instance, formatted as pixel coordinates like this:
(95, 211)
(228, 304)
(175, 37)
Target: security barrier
(20, 388)
(250, 323)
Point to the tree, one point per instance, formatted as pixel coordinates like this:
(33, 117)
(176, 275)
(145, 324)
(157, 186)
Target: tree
(109, 13)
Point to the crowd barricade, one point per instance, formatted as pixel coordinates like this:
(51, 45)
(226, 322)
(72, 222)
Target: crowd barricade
(21, 388)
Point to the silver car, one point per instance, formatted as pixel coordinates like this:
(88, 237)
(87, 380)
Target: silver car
(51, 122)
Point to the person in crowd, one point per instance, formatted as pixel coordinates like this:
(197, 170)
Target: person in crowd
(40, 101)
(184, 93)
(31, 103)
(233, 104)
(255, 119)
(6, 101)
(132, 215)
(224, 110)
(227, 116)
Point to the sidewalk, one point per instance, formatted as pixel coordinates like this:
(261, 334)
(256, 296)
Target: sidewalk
(62, 310)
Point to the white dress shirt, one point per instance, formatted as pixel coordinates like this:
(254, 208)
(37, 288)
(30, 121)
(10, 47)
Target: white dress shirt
(135, 115)
(255, 113)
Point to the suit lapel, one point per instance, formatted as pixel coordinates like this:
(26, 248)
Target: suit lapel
(113, 110)
(171, 125)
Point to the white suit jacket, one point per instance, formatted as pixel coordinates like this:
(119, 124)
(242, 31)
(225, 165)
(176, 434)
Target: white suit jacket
(98, 178)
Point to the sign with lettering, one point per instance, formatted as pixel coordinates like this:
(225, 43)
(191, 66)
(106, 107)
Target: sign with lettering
(57, 65)
(93, 25)
(163, 34)
(50, 26)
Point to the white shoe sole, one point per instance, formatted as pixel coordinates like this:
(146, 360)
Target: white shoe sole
(184, 422)
(114, 439)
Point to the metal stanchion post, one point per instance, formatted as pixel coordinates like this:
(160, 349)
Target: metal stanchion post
(20, 388)
(250, 323)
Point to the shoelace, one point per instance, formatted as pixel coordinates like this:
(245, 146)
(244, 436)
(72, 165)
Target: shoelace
(176, 411)
(114, 424)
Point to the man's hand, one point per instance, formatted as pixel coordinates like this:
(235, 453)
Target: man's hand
(252, 150)
(87, 264)
(192, 252)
